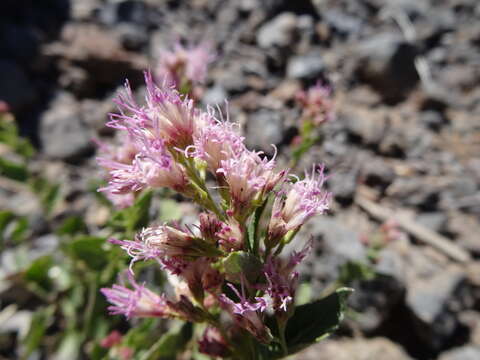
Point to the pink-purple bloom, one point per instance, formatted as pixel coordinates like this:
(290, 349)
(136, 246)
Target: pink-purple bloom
(184, 64)
(168, 143)
(317, 105)
(298, 203)
(136, 302)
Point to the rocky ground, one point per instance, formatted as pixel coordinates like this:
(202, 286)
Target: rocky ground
(404, 145)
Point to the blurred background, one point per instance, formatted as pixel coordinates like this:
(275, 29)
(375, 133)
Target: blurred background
(402, 150)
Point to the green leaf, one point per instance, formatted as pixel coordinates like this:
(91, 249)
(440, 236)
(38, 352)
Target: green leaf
(354, 270)
(70, 346)
(9, 136)
(171, 344)
(252, 231)
(242, 263)
(90, 250)
(40, 322)
(13, 170)
(48, 192)
(37, 272)
(135, 217)
(169, 210)
(316, 320)
(5, 218)
(72, 226)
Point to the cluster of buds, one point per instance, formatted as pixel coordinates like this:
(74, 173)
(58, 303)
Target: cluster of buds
(183, 66)
(316, 104)
(317, 108)
(228, 262)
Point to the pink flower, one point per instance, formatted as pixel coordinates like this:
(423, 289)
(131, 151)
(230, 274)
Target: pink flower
(303, 199)
(215, 142)
(249, 178)
(152, 167)
(166, 116)
(245, 313)
(317, 104)
(282, 280)
(185, 64)
(170, 246)
(201, 276)
(136, 302)
(112, 339)
(230, 236)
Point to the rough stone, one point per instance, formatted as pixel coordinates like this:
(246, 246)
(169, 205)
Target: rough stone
(264, 128)
(387, 63)
(63, 133)
(462, 353)
(278, 32)
(371, 349)
(15, 87)
(306, 67)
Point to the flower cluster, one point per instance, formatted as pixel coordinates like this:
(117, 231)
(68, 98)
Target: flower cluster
(184, 66)
(228, 261)
(316, 103)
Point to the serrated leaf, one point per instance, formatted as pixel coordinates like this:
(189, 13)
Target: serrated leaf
(316, 320)
(89, 249)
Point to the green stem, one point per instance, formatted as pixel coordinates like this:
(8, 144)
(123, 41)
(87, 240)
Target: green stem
(281, 330)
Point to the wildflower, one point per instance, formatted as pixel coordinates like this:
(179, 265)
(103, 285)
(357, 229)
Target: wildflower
(217, 141)
(112, 339)
(230, 236)
(200, 277)
(249, 178)
(166, 115)
(169, 245)
(303, 200)
(245, 313)
(185, 64)
(316, 103)
(213, 344)
(282, 280)
(136, 302)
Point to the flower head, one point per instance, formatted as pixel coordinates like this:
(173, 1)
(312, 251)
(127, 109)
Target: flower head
(317, 104)
(215, 142)
(136, 302)
(246, 313)
(166, 115)
(282, 279)
(185, 64)
(302, 200)
(249, 178)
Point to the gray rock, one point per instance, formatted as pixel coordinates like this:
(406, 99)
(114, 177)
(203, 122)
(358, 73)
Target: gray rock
(387, 63)
(264, 128)
(305, 67)
(338, 244)
(377, 173)
(436, 221)
(63, 133)
(463, 353)
(432, 119)
(278, 32)
(214, 95)
(15, 88)
(432, 297)
(356, 349)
